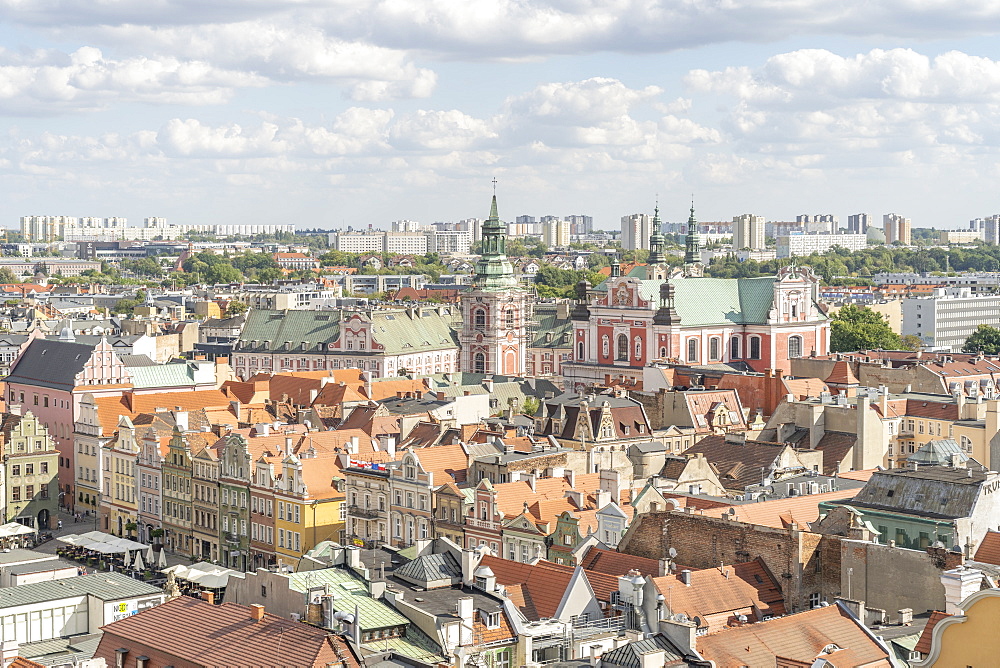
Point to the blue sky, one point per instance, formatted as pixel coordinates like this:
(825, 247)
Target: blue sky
(326, 113)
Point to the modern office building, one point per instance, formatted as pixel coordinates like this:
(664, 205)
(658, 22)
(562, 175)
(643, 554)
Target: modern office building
(897, 228)
(946, 319)
(748, 232)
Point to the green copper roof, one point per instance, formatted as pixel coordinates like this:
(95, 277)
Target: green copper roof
(692, 252)
(494, 272)
(549, 324)
(161, 375)
(716, 301)
(349, 590)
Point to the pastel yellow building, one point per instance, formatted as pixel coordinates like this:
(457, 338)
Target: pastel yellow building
(968, 639)
(119, 500)
(309, 508)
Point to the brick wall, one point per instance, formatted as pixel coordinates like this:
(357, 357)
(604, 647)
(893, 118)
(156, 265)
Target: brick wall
(802, 562)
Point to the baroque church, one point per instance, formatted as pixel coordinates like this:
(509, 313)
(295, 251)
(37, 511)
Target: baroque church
(659, 313)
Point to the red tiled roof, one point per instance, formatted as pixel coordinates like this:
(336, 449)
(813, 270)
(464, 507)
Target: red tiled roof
(780, 513)
(542, 584)
(204, 634)
(616, 563)
(989, 549)
(924, 643)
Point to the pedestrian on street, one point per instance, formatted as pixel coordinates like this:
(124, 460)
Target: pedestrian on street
(59, 524)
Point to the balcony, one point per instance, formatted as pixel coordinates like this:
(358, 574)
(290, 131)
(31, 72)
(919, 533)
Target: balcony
(364, 513)
(482, 524)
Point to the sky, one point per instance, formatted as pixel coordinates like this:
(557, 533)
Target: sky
(329, 113)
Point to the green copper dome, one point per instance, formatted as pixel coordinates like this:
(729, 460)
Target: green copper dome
(494, 271)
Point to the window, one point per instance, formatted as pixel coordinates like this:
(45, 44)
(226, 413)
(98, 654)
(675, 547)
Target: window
(794, 347)
(479, 318)
(714, 344)
(29, 469)
(621, 354)
(813, 600)
(15, 470)
(511, 319)
(493, 620)
(692, 355)
(580, 350)
(479, 363)
(755, 347)
(15, 493)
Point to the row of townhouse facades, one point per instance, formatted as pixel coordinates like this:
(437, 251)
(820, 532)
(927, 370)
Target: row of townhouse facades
(401, 502)
(222, 497)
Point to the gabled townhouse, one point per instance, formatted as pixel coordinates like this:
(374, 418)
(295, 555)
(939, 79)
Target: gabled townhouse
(262, 521)
(235, 469)
(119, 501)
(30, 461)
(205, 505)
(413, 480)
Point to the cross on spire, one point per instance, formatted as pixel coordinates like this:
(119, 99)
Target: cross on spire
(494, 185)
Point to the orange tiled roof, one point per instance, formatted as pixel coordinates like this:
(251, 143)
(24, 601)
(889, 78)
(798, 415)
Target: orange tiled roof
(800, 637)
(715, 594)
(449, 463)
(780, 513)
(109, 409)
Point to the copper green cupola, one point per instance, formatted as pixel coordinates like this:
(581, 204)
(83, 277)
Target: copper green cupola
(494, 271)
(656, 241)
(692, 251)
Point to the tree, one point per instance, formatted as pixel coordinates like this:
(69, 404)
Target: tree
(985, 339)
(911, 342)
(860, 328)
(235, 308)
(7, 276)
(530, 406)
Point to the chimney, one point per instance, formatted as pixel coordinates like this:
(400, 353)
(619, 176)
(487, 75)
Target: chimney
(264, 429)
(236, 408)
(654, 658)
(686, 577)
(959, 584)
(570, 478)
(256, 612)
(288, 445)
(208, 596)
(313, 393)
(181, 420)
(353, 447)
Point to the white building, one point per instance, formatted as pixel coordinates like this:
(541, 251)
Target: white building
(405, 226)
(748, 232)
(449, 241)
(636, 230)
(358, 242)
(960, 236)
(804, 244)
(897, 228)
(946, 319)
(555, 233)
(405, 243)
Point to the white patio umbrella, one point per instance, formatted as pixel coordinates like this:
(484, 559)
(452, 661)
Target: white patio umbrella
(162, 559)
(138, 565)
(125, 558)
(150, 557)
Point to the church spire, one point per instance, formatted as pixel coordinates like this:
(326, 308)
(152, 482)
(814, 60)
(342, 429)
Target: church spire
(656, 240)
(494, 271)
(692, 250)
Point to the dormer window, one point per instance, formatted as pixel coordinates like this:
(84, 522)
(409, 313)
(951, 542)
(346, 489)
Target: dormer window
(493, 620)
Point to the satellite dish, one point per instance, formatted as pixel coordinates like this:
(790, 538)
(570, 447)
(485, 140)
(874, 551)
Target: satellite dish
(672, 552)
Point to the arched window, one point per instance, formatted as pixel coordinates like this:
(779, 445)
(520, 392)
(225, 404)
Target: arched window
(966, 443)
(794, 347)
(605, 346)
(755, 347)
(663, 352)
(622, 350)
(692, 350)
(580, 349)
(714, 344)
(638, 348)
(509, 313)
(479, 363)
(479, 318)
(734, 348)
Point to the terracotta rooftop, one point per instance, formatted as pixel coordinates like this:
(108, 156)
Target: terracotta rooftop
(796, 638)
(199, 633)
(541, 586)
(780, 513)
(716, 595)
(617, 563)
(989, 549)
(924, 643)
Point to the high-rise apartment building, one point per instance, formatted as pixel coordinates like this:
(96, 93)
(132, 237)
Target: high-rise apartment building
(636, 231)
(897, 228)
(988, 228)
(555, 233)
(405, 226)
(748, 232)
(859, 223)
(580, 224)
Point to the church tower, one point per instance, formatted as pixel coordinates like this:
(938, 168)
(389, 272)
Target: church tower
(656, 265)
(693, 267)
(494, 336)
